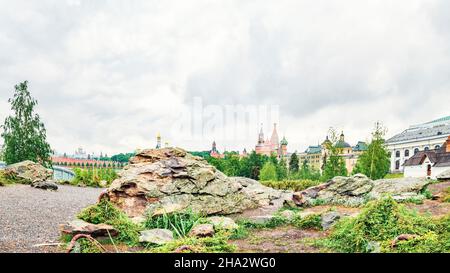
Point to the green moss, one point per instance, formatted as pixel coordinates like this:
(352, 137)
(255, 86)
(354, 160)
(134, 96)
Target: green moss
(312, 221)
(9, 180)
(106, 212)
(382, 221)
(274, 222)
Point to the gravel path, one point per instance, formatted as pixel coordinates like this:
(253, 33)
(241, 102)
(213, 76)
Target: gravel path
(30, 216)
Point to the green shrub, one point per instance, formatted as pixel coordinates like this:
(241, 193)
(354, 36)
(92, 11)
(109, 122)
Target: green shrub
(217, 244)
(105, 212)
(380, 221)
(312, 221)
(180, 223)
(92, 177)
(294, 185)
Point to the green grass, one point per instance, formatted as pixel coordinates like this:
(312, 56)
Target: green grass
(382, 221)
(105, 212)
(180, 223)
(312, 221)
(447, 195)
(217, 244)
(394, 175)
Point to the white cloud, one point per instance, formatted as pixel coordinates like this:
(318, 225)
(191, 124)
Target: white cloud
(110, 74)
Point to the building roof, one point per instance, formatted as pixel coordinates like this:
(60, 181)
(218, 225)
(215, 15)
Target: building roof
(313, 150)
(284, 141)
(361, 146)
(342, 144)
(439, 157)
(435, 128)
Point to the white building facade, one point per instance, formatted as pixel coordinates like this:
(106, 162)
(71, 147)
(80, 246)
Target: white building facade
(422, 137)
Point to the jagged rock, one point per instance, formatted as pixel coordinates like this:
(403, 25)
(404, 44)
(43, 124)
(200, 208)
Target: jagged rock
(444, 175)
(222, 223)
(339, 190)
(203, 230)
(170, 180)
(46, 185)
(28, 172)
(288, 214)
(358, 189)
(329, 219)
(156, 236)
(81, 227)
(400, 189)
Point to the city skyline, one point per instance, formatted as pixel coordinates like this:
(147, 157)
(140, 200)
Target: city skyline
(109, 76)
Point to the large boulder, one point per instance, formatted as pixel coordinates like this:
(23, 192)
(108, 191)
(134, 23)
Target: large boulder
(28, 172)
(160, 181)
(358, 189)
(400, 189)
(444, 175)
(349, 191)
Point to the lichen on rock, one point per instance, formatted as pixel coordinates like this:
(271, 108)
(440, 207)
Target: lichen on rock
(161, 181)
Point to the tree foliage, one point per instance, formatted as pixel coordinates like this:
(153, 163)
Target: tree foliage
(374, 162)
(334, 162)
(268, 172)
(24, 134)
(294, 163)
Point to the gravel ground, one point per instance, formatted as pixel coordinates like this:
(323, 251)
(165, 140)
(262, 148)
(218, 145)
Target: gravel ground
(30, 216)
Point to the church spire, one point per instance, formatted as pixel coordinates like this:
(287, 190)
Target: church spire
(261, 135)
(158, 141)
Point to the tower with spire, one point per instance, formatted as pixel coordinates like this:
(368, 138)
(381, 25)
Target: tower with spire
(158, 141)
(272, 145)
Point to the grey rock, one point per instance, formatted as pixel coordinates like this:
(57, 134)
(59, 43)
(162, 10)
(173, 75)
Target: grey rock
(46, 185)
(203, 230)
(170, 180)
(444, 175)
(373, 247)
(81, 227)
(222, 223)
(288, 214)
(260, 219)
(329, 219)
(28, 172)
(156, 236)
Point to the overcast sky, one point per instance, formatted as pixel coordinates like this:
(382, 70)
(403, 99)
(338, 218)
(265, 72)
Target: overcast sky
(110, 75)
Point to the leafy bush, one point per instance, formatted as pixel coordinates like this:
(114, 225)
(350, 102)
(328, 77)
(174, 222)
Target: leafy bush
(107, 213)
(92, 177)
(382, 221)
(295, 185)
(313, 221)
(216, 244)
(180, 223)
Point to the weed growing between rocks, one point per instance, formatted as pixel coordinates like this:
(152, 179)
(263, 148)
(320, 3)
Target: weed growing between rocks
(381, 222)
(312, 221)
(217, 244)
(180, 223)
(9, 180)
(107, 213)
